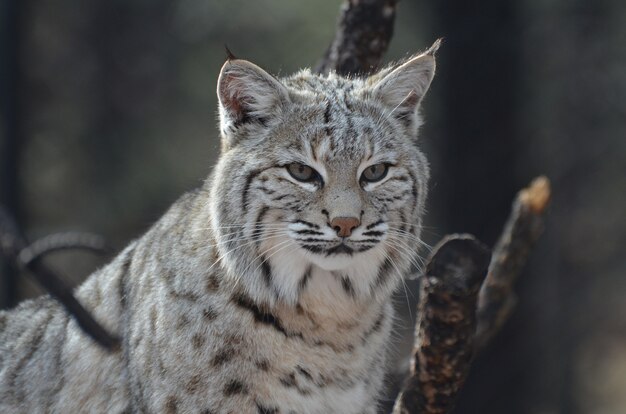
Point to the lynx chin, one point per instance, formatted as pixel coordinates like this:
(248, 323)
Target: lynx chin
(268, 289)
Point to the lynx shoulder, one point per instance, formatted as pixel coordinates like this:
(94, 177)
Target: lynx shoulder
(268, 289)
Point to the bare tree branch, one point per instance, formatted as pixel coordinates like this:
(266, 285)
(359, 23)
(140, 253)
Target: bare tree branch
(363, 33)
(446, 324)
(522, 230)
(450, 326)
(12, 244)
(63, 241)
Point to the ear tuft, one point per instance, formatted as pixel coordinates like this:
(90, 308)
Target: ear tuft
(246, 94)
(434, 48)
(229, 55)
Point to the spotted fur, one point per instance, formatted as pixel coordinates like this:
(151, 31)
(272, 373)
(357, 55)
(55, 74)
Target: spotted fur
(243, 298)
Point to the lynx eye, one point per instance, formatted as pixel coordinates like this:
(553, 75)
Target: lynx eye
(375, 173)
(302, 172)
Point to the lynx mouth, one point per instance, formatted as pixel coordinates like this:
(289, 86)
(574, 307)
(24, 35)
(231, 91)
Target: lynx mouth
(341, 248)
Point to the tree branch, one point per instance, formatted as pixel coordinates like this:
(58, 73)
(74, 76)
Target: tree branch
(446, 324)
(521, 232)
(63, 241)
(450, 325)
(363, 33)
(14, 247)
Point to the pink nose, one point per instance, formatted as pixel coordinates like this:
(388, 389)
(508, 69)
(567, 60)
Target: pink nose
(344, 225)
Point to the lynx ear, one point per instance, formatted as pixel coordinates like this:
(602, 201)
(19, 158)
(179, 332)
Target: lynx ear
(403, 88)
(247, 93)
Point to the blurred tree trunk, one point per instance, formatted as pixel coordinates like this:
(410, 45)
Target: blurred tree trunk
(10, 14)
(477, 81)
(474, 152)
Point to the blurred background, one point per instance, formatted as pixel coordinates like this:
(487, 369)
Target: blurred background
(108, 115)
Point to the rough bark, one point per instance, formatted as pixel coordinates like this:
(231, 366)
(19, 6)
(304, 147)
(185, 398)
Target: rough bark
(363, 33)
(446, 326)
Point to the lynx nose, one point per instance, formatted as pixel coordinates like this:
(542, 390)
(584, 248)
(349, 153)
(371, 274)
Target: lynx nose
(344, 225)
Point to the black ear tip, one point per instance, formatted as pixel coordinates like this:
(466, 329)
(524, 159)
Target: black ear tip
(229, 54)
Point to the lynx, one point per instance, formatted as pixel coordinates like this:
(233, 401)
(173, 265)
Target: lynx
(268, 289)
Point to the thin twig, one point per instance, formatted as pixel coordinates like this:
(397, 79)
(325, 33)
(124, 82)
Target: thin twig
(63, 241)
(12, 244)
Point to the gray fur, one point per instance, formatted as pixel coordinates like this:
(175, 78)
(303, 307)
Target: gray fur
(241, 298)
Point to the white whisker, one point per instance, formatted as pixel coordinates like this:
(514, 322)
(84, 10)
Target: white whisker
(411, 255)
(250, 241)
(404, 286)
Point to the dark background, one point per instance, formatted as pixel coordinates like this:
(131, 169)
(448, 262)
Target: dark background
(108, 115)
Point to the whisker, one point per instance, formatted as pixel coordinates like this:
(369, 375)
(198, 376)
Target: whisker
(242, 226)
(418, 264)
(409, 236)
(406, 253)
(404, 286)
(242, 231)
(250, 241)
(258, 256)
(408, 244)
(428, 229)
(284, 244)
(412, 255)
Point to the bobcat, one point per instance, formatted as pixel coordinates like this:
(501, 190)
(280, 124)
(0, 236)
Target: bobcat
(267, 290)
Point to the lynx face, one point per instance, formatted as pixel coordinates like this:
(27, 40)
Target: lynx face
(320, 175)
